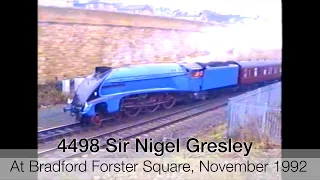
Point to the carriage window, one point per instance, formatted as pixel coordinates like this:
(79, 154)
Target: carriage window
(255, 71)
(270, 70)
(275, 70)
(264, 72)
(245, 73)
(250, 72)
(279, 69)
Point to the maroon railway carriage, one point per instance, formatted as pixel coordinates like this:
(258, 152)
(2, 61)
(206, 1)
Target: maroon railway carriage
(256, 72)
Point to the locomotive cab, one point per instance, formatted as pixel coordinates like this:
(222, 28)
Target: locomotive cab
(195, 80)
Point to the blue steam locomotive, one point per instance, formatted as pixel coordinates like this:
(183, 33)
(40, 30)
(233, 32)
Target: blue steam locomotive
(114, 92)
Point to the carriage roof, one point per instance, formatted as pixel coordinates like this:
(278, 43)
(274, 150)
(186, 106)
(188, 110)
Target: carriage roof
(248, 64)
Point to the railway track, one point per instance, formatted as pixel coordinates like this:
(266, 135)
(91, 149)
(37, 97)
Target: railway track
(53, 133)
(141, 128)
(58, 132)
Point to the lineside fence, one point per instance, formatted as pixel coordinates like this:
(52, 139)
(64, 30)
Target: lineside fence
(68, 86)
(260, 109)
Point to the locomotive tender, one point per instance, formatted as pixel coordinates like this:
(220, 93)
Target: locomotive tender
(113, 92)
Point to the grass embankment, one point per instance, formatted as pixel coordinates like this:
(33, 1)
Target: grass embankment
(248, 133)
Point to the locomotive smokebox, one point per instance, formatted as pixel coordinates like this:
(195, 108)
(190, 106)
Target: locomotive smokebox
(102, 69)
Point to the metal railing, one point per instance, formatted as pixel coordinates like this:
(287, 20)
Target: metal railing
(260, 109)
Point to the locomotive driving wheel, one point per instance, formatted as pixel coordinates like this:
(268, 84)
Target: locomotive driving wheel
(151, 109)
(131, 112)
(171, 101)
(97, 119)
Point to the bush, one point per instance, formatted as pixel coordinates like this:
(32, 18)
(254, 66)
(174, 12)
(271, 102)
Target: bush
(251, 132)
(50, 94)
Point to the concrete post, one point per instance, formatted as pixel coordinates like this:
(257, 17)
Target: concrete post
(66, 86)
